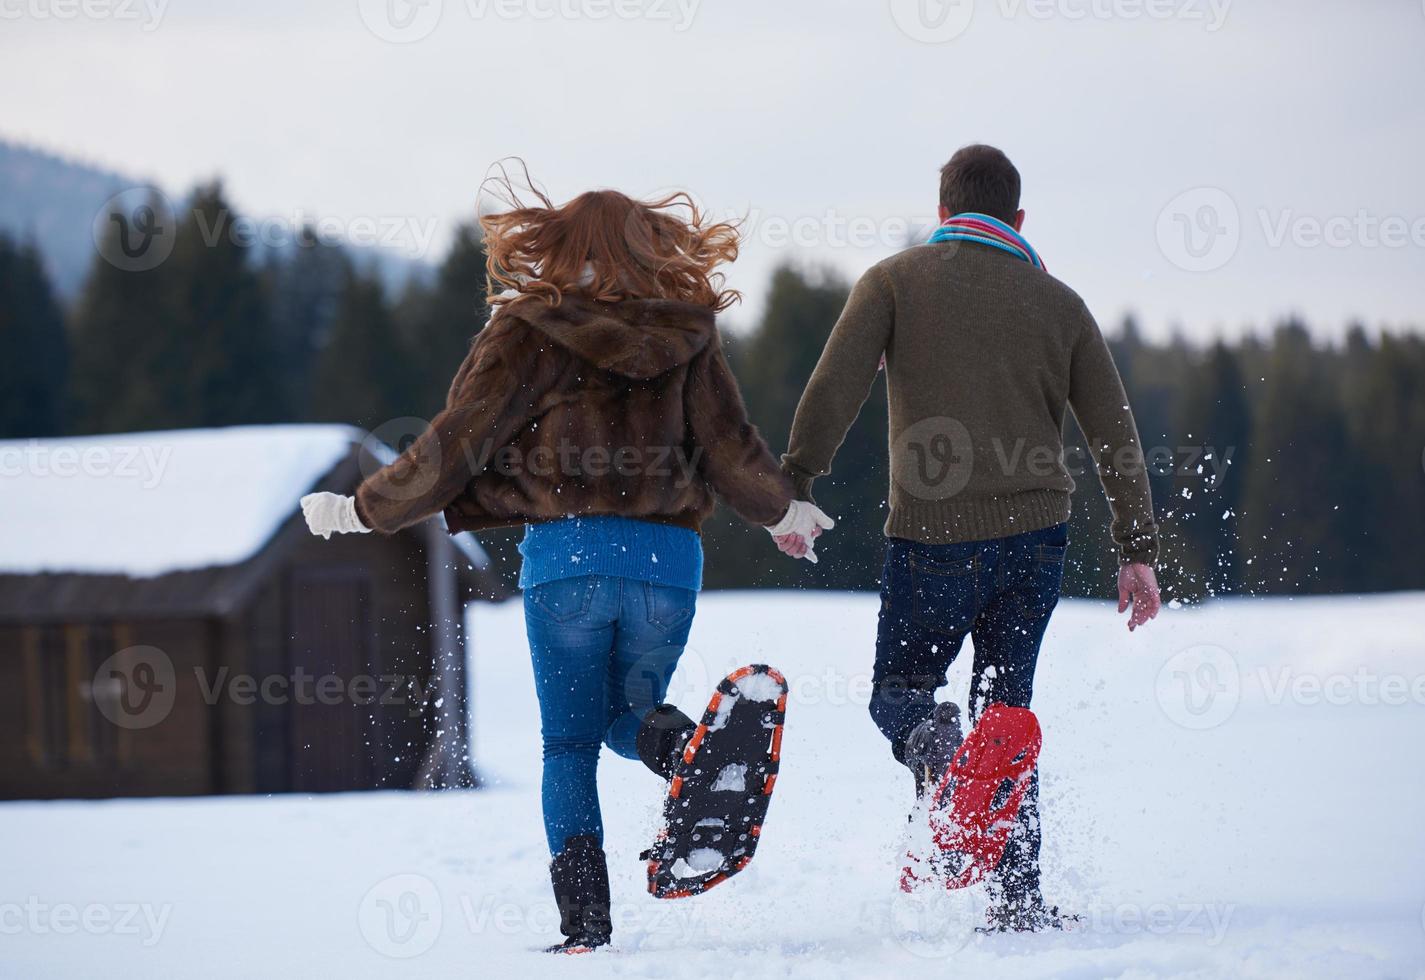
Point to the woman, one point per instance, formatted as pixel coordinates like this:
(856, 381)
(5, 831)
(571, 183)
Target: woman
(596, 408)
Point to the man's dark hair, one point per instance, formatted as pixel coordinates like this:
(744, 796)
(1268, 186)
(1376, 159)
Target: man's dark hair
(980, 178)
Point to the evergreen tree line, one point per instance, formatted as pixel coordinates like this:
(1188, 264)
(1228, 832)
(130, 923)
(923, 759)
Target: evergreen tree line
(214, 336)
(1278, 465)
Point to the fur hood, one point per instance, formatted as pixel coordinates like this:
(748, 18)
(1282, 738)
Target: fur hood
(637, 338)
(529, 433)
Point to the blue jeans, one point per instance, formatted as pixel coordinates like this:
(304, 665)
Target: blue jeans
(604, 649)
(1001, 592)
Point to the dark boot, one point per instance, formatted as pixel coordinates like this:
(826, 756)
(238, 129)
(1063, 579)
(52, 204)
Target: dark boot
(580, 875)
(1023, 912)
(1016, 879)
(1016, 904)
(931, 745)
(661, 738)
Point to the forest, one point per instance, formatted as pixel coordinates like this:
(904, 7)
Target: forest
(1280, 464)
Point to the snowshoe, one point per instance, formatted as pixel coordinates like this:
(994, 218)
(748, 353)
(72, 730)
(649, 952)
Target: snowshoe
(1031, 915)
(971, 812)
(578, 944)
(721, 786)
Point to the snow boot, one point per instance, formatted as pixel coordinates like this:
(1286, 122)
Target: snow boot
(1024, 913)
(662, 737)
(1015, 901)
(931, 745)
(580, 875)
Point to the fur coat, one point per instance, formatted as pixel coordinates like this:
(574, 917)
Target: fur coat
(585, 408)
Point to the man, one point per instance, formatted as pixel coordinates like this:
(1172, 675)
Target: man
(984, 351)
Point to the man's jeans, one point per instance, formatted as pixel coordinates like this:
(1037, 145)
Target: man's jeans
(1001, 592)
(604, 649)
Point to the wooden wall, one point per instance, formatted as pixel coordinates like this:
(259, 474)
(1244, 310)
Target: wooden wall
(398, 617)
(55, 742)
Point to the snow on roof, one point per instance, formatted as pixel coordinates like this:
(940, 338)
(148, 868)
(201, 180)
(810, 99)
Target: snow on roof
(149, 503)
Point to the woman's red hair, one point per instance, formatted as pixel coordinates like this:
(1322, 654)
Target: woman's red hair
(607, 246)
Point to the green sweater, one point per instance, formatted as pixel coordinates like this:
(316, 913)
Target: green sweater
(984, 354)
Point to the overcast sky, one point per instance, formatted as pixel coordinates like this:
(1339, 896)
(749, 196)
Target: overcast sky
(1211, 164)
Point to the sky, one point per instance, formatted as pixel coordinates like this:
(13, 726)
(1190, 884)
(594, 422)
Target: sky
(1210, 165)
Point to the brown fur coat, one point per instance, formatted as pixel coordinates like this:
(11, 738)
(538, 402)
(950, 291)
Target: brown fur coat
(585, 408)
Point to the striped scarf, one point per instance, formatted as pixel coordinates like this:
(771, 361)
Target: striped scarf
(973, 227)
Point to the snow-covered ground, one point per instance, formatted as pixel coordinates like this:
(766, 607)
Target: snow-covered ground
(1235, 791)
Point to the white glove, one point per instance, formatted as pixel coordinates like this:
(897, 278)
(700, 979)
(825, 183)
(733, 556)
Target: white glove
(803, 518)
(331, 512)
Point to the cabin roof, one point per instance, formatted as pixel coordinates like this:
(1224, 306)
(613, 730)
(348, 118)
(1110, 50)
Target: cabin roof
(169, 523)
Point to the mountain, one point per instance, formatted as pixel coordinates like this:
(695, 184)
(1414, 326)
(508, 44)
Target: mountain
(53, 201)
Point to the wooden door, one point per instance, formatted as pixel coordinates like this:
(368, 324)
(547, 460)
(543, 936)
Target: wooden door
(331, 637)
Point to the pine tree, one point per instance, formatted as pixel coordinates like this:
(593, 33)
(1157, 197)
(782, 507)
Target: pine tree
(1293, 531)
(439, 321)
(186, 343)
(1216, 422)
(121, 325)
(34, 373)
(1148, 374)
(219, 359)
(1385, 419)
(773, 364)
(361, 376)
(304, 286)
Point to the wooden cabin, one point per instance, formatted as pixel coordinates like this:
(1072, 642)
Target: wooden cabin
(168, 626)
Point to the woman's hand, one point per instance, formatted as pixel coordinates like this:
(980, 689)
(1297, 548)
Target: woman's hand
(799, 527)
(329, 513)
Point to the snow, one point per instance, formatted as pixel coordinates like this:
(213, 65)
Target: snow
(466, 544)
(700, 861)
(148, 503)
(732, 779)
(759, 687)
(1265, 825)
(724, 711)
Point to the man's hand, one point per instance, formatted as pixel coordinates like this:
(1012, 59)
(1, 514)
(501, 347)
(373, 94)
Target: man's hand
(796, 545)
(798, 528)
(1138, 587)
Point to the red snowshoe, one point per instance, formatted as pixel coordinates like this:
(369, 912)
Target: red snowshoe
(972, 811)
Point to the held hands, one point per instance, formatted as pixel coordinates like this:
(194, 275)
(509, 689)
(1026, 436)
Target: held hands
(331, 512)
(1138, 586)
(799, 528)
